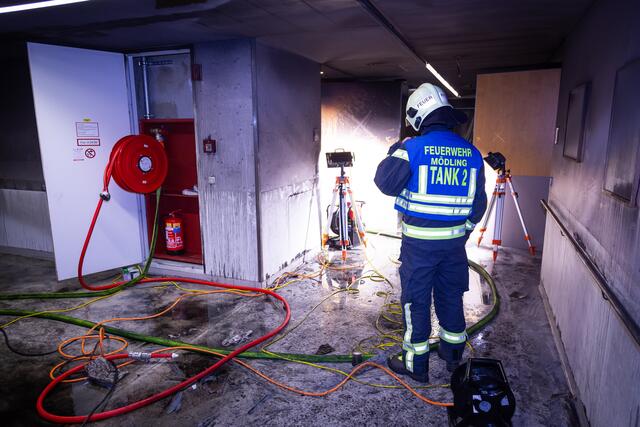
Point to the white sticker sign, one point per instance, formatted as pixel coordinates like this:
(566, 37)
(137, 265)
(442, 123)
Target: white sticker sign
(78, 154)
(88, 142)
(87, 129)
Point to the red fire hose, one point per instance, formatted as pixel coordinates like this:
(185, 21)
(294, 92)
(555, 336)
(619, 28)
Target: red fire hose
(61, 419)
(147, 155)
(138, 163)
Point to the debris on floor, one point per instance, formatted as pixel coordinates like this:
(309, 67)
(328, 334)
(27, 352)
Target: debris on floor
(334, 315)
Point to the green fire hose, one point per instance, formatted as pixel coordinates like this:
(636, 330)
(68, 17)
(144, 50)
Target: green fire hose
(337, 358)
(331, 358)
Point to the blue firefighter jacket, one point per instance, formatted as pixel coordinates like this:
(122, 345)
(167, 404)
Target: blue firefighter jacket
(438, 181)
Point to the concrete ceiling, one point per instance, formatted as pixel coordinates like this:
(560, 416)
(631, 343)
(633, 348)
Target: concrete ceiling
(461, 38)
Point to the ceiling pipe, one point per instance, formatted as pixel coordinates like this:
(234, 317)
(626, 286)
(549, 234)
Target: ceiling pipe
(384, 21)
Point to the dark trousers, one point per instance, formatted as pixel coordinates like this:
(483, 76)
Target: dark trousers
(445, 274)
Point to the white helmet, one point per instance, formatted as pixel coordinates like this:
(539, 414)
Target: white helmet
(426, 99)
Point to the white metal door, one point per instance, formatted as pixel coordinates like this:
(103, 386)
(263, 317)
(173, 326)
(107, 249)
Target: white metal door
(82, 109)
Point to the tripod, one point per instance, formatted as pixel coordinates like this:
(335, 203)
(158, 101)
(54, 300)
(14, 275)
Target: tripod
(497, 201)
(342, 191)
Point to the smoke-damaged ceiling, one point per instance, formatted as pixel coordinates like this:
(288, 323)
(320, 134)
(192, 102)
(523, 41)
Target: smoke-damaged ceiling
(459, 37)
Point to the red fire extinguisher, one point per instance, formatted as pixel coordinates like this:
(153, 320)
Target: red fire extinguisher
(174, 233)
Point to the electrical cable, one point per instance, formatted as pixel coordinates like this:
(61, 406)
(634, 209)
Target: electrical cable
(375, 276)
(62, 310)
(495, 307)
(75, 359)
(101, 337)
(171, 390)
(348, 376)
(385, 234)
(345, 358)
(333, 370)
(151, 339)
(21, 353)
(393, 335)
(62, 419)
(306, 316)
(103, 402)
(331, 358)
(119, 285)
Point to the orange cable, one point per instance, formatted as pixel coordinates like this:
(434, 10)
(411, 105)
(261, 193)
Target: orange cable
(101, 336)
(321, 393)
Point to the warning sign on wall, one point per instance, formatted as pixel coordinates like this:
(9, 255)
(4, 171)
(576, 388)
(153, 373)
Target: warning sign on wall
(87, 129)
(88, 142)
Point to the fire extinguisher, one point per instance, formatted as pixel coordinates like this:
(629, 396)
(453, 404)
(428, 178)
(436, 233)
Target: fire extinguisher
(174, 233)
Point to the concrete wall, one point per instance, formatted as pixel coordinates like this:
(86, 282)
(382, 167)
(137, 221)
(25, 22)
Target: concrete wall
(603, 358)
(288, 108)
(257, 200)
(225, 110)
(24, 216)
(364, 118)
(515, 115)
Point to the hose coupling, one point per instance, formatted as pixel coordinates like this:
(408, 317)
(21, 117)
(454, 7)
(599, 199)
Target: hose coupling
(356, 358)
(140, 356)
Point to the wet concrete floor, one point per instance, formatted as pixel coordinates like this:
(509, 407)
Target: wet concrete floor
(348, 304)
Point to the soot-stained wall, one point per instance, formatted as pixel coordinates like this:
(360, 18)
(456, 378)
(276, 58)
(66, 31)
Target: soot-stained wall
(257, 202)
(604, 359)
(364, 118)
(288, 113)
(224, 108)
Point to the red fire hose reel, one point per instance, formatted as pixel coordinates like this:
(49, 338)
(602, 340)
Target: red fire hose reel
(138, 164)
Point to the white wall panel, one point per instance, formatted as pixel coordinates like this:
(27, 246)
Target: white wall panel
(73, 86)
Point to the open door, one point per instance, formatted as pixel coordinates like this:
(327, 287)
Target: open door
(82, 109)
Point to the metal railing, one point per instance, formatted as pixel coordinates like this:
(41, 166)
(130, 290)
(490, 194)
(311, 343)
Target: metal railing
(607, 293)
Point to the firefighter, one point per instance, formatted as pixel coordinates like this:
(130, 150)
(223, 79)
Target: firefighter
(438, 181)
